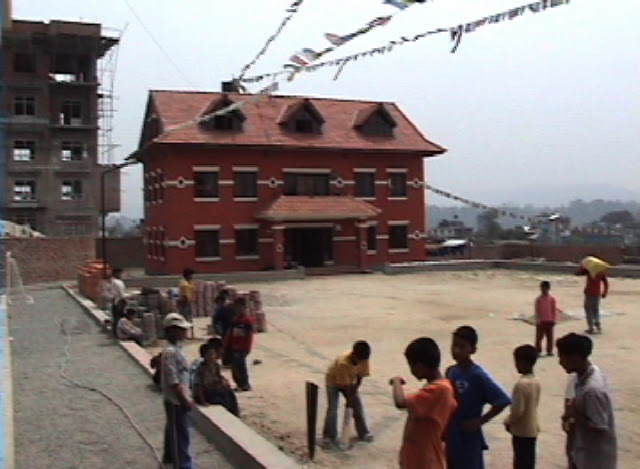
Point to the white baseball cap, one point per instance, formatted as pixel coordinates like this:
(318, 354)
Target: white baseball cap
(175, 320)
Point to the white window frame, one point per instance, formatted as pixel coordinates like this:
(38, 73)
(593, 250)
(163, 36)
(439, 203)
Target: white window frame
(26, 152)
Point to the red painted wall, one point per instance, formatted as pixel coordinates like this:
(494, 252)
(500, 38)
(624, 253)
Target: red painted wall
(178, 212)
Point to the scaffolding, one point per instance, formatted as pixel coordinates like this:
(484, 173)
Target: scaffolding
(107, 67)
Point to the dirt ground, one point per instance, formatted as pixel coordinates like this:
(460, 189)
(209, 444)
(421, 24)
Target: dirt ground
(313, 320)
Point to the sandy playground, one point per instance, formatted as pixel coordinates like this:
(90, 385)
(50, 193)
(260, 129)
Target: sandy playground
(313, 320)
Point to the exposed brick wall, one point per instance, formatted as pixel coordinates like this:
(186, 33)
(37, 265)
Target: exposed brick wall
(123, 252)
(50, 259)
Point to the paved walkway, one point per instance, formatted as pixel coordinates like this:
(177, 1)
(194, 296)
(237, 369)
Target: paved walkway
(62, 427)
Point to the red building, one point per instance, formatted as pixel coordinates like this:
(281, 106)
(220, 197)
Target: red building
(281, 180)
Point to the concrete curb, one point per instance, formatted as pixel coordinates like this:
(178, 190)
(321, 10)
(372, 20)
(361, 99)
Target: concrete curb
(169, 281)
(244, 447)
(7, 444)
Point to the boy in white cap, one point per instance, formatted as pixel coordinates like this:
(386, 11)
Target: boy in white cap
(176, 394)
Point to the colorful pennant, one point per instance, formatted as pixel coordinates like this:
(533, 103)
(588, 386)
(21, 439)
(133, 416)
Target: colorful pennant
(291, 11)
(473, 204)
(456, 32)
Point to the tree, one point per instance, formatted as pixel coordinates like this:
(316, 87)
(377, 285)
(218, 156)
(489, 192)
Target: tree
(618, 217)
(488, 225)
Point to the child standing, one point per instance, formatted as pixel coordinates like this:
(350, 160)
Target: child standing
(429, 409)
(475, 388)
(344, 376)
(546, 317)
(593, 441)
(238, 343)
(522, 422)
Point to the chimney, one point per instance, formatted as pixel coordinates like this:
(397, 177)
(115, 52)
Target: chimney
(230, 87)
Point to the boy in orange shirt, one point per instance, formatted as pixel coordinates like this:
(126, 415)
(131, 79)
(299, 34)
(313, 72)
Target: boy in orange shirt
(546, 311)
(429, 409)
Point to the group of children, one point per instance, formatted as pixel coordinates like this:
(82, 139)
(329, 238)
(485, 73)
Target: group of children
(446, 416)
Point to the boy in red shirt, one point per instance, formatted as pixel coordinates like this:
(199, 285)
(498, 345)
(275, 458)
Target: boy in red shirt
(429, 409)
(238, 343)
(592, 295)
(546, 317)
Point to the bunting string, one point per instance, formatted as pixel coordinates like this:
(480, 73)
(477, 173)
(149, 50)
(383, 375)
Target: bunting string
(307, 55)
(291, 11)
(290, 71)
(456, 32)
(478, 205)
(263, 93)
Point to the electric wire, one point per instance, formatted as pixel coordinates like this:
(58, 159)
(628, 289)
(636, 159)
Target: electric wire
(74, 383)
(158, 45)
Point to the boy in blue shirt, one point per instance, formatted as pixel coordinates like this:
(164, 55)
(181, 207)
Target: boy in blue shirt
(474, 388)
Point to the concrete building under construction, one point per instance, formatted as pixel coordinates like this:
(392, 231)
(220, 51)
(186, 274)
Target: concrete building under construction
(54, 108)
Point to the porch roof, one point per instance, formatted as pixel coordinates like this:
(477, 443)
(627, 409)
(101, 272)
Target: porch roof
(330, 207)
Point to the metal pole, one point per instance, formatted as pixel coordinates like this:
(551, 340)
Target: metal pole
(103, 208)
(103, 237)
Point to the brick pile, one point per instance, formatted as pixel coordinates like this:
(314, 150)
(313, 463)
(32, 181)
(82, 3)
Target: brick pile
(207, 291)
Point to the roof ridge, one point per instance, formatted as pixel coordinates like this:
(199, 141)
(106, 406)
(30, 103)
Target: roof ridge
(277, 96)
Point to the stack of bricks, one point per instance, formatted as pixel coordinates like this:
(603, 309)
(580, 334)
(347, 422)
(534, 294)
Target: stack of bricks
(206, 293)
(90, 279)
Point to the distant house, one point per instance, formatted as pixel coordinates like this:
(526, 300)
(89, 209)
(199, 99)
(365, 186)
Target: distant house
(280, 181)
(550, 227)
(451, 229)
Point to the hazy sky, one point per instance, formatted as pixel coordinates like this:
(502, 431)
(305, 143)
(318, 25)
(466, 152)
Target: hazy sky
(549, 98)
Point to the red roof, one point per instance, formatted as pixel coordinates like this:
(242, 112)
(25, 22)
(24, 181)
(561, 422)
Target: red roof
(261, 125)
(330, 207)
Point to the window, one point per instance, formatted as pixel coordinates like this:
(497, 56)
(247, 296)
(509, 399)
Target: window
(226, 122)
(306, 184)
(398, 237)
(378, 126)
(304, 126)
(69, 228)
(398, 182)
(247, 242)
(148, 188)
(24, 150)
(245, 184)
(24, 106)
(72, 151)
(207, 244)
(160, 182)
(26, 219)
(366, 185)
(206, 184)
(24, 63)
(71, 113)
(149, 243)
(372, 241)
(163, 247)
(303, 118)
(71, 190)
(24, 191)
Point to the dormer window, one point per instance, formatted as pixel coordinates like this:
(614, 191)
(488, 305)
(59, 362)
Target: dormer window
(224, 122)
(375, 121)
(230, 121)
(301, 117)
(304, 126)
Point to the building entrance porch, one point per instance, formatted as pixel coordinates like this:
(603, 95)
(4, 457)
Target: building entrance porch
(309, 247)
